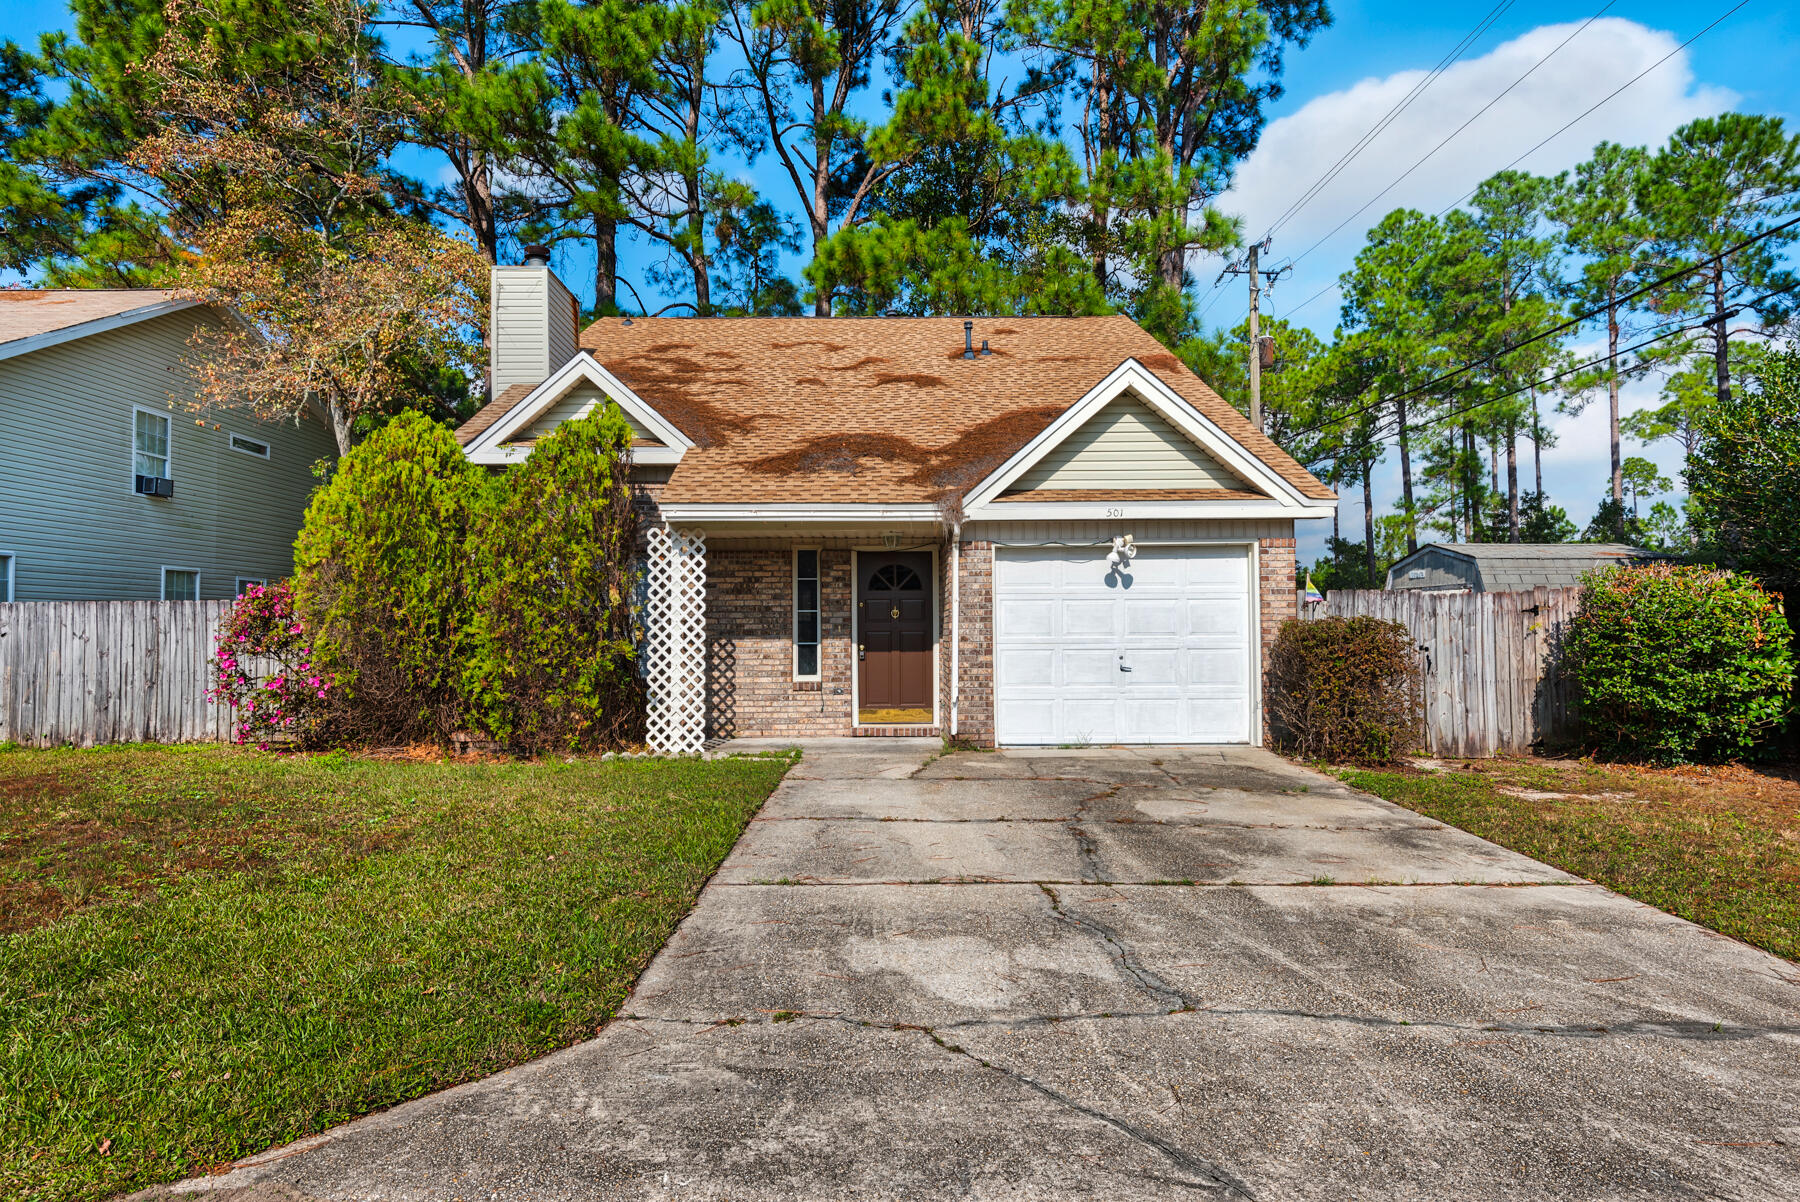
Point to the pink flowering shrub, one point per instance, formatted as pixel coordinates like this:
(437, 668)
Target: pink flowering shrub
(264, 669)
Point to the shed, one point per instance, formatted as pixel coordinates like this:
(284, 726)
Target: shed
(1506, 567)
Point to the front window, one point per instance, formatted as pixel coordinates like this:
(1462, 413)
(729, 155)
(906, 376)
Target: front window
(150, 444)
(181, 584)
(245, 583)
(806, 615)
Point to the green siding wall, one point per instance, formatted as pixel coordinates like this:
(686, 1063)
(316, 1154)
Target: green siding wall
(67, 510)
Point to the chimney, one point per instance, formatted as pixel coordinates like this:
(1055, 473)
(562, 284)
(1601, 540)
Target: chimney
(533, 322)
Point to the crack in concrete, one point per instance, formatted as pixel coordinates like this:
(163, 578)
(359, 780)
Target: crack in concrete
(811, 882)
(1196, 823)
(1122, 955)
(1085, 845)
(1210, 1178)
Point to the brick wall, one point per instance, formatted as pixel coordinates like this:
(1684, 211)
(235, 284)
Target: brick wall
(1275, 557)
(750, 685)
(976, 713)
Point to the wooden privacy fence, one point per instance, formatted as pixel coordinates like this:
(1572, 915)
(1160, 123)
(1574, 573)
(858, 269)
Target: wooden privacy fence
(89, 672)
(1491, 683)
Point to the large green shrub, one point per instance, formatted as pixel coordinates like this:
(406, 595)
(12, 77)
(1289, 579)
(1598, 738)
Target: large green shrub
(1677, 663)
(1345, 690)
(552, 661)
(381, 575)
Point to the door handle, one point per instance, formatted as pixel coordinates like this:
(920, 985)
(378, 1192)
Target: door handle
(862, 652)
(1123, 666)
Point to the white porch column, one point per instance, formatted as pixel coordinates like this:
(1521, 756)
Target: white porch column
(675, 639)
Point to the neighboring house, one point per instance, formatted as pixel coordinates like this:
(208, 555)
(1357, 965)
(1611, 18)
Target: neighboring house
(114, 488)
(1506, 567)
(904, 524)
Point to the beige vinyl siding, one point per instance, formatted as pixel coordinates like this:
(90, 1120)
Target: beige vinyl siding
(1127, 445)
(534, 327)
(1101, 533)
(577, 403)
(68, 511)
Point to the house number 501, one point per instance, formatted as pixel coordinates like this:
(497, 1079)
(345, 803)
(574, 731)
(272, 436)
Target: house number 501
(1115, 513)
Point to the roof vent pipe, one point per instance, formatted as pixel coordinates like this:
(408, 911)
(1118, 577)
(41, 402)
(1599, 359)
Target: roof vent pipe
(537, 256)
(968, 340)
(984, 347)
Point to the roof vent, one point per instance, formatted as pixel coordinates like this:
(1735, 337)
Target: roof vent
(537, 256)
(968, 340)
(984, 347)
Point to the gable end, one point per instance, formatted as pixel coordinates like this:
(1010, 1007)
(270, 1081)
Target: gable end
(1128, 447)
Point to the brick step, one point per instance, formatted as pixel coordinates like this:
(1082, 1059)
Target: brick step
(895, 732)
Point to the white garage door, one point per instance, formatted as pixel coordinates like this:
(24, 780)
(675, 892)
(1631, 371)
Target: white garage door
(1158, 653)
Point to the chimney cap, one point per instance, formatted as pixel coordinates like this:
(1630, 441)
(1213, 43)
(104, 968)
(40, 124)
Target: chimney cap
(537, 255)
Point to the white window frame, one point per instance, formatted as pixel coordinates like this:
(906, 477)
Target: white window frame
(818, 612)
(231, 441)
(131, 444)
(12, 576)
(243, 580)
(163, 593)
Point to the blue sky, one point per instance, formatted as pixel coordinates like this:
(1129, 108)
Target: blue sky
(1339, 86)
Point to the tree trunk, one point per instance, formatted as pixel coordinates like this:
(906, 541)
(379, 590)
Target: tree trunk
(1721, 339)
(1368, 470)
(1612, 391)
(820, 212)
(1406, 480)
(1512, 483)
(1469, 469)
(606, 264)
(1537, 447)
(342, 428)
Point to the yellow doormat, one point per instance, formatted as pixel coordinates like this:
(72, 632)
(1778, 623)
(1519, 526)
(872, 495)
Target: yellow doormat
(894, 717)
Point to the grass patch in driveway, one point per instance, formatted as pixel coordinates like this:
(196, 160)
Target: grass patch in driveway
(1720, 847)
(206, 952)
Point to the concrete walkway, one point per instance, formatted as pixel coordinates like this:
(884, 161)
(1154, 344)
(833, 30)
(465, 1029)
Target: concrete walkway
(1125, 975)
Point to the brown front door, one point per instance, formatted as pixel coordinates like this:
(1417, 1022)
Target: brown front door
(893, 600)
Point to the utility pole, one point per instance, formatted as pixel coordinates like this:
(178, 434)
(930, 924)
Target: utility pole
(1259, 279)
(1255, 341)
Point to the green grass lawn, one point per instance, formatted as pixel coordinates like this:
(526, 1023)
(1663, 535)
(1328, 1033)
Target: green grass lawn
(206, 952)
(1719, 847)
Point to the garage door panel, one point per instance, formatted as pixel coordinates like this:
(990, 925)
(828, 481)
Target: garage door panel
(1179, 620)
(1150, 616)
(1024, 617)
(1089, 667)
(1087, 619)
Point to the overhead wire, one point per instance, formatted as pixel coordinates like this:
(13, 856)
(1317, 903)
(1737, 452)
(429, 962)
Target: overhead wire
(1388, 118)
(1564, 128)
(1568, 324)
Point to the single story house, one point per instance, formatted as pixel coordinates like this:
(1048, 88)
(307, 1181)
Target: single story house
(1506, 567)
(114, 487)
(1010, 530)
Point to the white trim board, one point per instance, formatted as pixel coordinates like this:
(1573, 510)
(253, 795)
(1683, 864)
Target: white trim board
(99, 325)
(490, 445)
(982, 503)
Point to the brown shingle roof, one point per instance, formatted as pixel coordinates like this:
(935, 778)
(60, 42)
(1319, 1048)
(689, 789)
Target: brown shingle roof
(27, 312)
(491, 412)
(817, 410)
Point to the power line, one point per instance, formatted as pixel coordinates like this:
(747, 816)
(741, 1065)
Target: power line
(1388, 118)
(1560, 131)
(1453, 133)
(1569, 324)
(1609, 96)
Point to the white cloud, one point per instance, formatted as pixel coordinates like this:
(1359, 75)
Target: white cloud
(1297, 149)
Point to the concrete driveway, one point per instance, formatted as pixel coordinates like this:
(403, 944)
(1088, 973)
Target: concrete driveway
(1126, 975)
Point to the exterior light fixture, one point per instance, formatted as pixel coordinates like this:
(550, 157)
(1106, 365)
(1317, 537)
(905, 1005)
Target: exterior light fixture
(1122, 553)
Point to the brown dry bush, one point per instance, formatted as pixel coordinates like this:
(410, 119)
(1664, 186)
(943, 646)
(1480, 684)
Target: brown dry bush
(1344, 690)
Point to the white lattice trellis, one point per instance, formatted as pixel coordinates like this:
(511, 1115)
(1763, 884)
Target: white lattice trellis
(675, 639)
